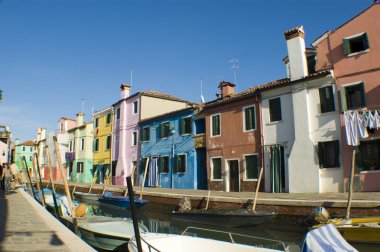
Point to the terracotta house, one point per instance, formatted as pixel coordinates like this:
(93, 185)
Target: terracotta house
(353, 52)
(233, 140)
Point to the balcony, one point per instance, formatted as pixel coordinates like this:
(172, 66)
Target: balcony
(200, 141)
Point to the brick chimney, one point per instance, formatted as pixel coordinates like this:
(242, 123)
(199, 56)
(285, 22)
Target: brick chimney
(226, 88)
(295, 40)
(125, 90)
(80, 119)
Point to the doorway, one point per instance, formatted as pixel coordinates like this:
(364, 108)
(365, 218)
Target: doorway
(233, 167)
(277, 169)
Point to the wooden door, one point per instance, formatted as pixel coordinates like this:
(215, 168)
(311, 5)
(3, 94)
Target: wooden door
(233, 166)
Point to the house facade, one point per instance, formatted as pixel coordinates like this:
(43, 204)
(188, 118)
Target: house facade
(5, 144)
(129, 110)
(168, 144)
(353, 51)
(301, 129)
(40, 149)
(27, 150)
(80, 155)
(233, 140)
(102, 144)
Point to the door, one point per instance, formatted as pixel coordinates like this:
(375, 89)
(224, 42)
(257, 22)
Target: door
(277, 169)
(233, 166)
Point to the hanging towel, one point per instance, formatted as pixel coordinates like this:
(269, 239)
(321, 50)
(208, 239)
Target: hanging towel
(360, 117)
(153, 172)
(350, 122)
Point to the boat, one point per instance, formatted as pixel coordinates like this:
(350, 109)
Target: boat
(106, 233)
(361, 230)
(224, 217)
(121, 201)
(87, 196)
(326, 238)
(190, 241)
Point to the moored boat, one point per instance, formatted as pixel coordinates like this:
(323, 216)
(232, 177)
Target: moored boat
(121, 201)
(87, 196)
(223, 217)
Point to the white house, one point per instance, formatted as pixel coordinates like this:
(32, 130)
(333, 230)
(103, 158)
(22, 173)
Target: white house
(301, 127)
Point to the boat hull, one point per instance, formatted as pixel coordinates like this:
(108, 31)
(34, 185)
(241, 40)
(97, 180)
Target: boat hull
(87, 196)
(123, 202)
(224, 218)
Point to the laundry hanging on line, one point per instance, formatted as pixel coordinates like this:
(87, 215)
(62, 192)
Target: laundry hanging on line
(356, 123)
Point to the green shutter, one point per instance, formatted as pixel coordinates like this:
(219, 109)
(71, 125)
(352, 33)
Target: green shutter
(321, 154)
(346, 46)
(182, 126)
(142, 135)
(363, 94)
(343, 98)
(336, 153)
(161, 130)
(365, 41)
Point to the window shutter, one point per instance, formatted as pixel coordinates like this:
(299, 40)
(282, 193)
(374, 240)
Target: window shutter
(217, 125)
(182, 127)
(365, 41)
(362, 89)
(248, 119)
(336, 143)
(321, 154)
(142, 135)
(343, 98)
(346, 46)
(161, 130)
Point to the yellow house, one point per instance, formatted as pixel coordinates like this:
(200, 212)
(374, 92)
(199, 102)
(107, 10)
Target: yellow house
(102, 145)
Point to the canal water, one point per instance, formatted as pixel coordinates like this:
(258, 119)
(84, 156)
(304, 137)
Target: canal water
(156, 217)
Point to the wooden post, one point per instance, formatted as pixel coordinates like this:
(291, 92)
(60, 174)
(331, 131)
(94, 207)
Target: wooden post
(42, 198)
(29, 180)
(351, 182)
(72, 193)
(39, 175)
(104, 188)
(93, 179)
(57, 153)
(143, 182)
(47, 153)
(257, 188)
(208, 198)
(134, 214)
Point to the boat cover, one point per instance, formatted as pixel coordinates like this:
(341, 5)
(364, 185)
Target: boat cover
(326, 238)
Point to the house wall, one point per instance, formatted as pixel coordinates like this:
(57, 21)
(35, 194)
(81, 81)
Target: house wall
(152, 106)
(19, 153)
(362, 66)
(3, 152)
(233, 143)
(183, 144)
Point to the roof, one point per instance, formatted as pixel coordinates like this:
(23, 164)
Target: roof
(78, 127)
(27, 143)
(169, 114)
(155, 94)
(257, 89)
(320, 37)
(66, 118)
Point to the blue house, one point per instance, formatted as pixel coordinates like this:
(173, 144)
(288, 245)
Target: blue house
(174, 146)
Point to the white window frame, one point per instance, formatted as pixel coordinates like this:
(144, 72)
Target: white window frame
(134, 138)
(212, 168)
(245, 166)
(353, 37)
(82, 144)
(220, 124)
(243, 112)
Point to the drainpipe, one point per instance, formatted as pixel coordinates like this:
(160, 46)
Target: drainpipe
(172, 132)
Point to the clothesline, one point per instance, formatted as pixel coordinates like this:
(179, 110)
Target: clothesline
(356, 123)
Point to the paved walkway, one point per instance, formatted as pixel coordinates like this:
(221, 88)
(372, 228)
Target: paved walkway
(27, 226)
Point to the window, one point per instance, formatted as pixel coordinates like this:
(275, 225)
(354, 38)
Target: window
(30, 158)
(328, 153)
(71, 146)
(134, 138)
(23, 148)
(216, 168)
(251, 167)
(164, 164)
(275, 109)
(326, 98)
(80, 167)
(355, 43)
(353, 96)
(96, 122)
(96, 144)
(215, 125)
(142, 165)
(186, 126)
(368, 158)
(181, 163)
(164, 130)
(31, 149)
(108, 118)
(249, 118)
(108, 142)
(61, 126)
(135, 107)
(117, 113)
(82, 144)
(145, 134)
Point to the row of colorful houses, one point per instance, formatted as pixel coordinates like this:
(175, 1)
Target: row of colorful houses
(291, 128)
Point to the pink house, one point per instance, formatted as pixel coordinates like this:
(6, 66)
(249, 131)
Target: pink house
(353, 52)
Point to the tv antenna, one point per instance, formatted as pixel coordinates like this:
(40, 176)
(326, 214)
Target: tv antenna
(202, 98)
(234, 65)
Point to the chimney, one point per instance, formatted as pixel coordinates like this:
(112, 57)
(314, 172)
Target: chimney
(17, 141)
(125, 89)
(226, 88)
(295, 40)
(80, 117)
(43, 133)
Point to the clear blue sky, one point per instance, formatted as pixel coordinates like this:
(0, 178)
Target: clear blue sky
(53, 53)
